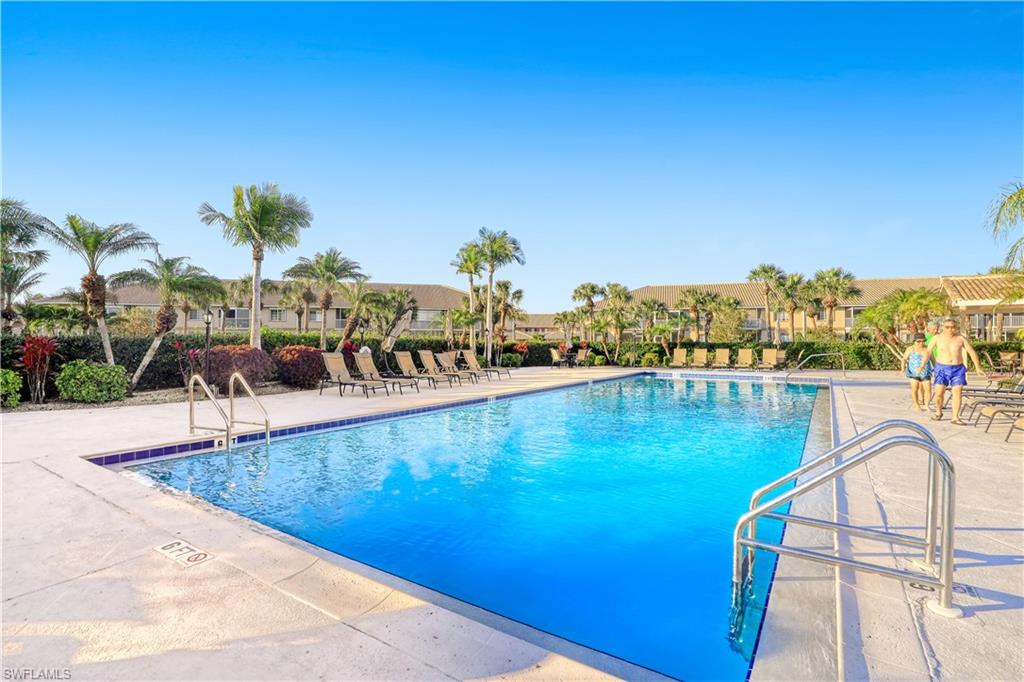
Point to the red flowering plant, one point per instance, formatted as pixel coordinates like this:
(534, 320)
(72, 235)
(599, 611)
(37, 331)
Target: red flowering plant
(36, 352)
(348, 349)
(522, 348)
(584, 344)
(562, 348)
(188, 361)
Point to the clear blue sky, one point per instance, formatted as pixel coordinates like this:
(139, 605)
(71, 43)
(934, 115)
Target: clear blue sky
(639, 143)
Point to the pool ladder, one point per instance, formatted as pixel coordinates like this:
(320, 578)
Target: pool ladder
(939, 517)
(229, 418)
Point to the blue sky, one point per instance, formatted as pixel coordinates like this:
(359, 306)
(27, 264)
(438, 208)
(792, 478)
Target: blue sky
(658, 143)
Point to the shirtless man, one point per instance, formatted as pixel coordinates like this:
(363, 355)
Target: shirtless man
(950, 371)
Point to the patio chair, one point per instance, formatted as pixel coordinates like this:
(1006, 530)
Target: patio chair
(581, 357)
(721, 359)
(367, 368)
(1014, 412)
(976, 403)
(772, 358)
(745, 358)
(678, 358)
(431, 367)
(1010, 360)
(337, 373)
(410, 370)
(1017, 425)
(700, 357)
(471, 361)
(557, 359)
(780, 358)
(447, 361)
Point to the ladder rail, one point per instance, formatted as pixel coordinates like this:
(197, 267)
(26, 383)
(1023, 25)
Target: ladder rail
(192, 426)
(842, 360)
(743, 539)
(265, 423)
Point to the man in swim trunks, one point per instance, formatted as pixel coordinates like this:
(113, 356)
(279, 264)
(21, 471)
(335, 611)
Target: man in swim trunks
(950, 371)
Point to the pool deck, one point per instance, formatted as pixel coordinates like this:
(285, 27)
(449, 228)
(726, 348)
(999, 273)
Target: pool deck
(84, 589)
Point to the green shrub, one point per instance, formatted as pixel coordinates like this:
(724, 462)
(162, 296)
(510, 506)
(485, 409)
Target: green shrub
(301, 366)
(650, 360)
(511, 359)
(10, 388)
(598, 360)
(254, 364)
(82, 381)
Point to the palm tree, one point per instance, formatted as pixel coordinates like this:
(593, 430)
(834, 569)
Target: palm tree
(618, 312)
(647, 310)
(16, 279)
(95, 245)
(722, 308)
(327, 270)
(811, 303)
(387, 310)
(470, 262)
(563, 320)
(834, 285)
(586, 293)
(769, 277)
(262, 218)
(497, 249)
(291, 298)
(358, 296)
(790, 293)
(712, 302)
(19, 230)
(917, 306)
(506, 302)
(1006, 213)
(464, 319)
(171, 278)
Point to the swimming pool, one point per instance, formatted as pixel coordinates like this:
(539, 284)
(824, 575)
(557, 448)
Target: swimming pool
(601, 513)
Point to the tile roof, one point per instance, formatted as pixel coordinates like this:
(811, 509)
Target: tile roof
(537, 321)
(750, 294)
(428, 296)
(977, 287)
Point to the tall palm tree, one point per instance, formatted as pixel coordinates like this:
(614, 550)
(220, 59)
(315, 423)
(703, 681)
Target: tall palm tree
(917, 306)
(564, 321)
(711, 304)
(497, 249)
(19, 230)
(464, 319)
(810, 301)
(264, 219)
(470, 262)
(172, 278)
(95, 245)
(647, 310)
(834, 285)
(586, 293)
(619, 313)
(506, 302)
(769, 277)
(1007, 212)
(790, 293)
(328, 270)
(291, 299)
(692, 301)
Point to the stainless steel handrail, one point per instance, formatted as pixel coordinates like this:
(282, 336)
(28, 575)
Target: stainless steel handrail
(835, 452)
(842, 359)
(744, 540)
(192, 426)
(237, 377)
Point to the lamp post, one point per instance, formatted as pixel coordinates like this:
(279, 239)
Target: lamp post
(207, 320)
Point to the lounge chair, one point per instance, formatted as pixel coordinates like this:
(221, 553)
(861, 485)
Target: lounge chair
(678, 358)
(581, 357)
(745, 358)
(410, 370)
(1014, 412)
(364, 361)
(721, 359)
(1018, 424)
(770, 359)
(448, 360)
(431, 367)
(976, 403)
(557, 359)
(780, 358)
(700, 357)
(337, 373)
(1010, 360)
(474, 364)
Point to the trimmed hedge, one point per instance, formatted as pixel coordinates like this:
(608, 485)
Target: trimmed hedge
(82, 381)
(254, 364)
(301, 366)
(10, 388)
(164, 372)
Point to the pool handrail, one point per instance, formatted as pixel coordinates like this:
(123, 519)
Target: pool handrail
(744, 541)
(192, 426)
(842, 360)
(265, 423)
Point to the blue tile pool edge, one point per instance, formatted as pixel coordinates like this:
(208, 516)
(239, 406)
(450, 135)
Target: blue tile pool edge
(208, 443)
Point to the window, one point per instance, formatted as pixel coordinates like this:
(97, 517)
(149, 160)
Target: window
(314, 315)
(277, 315)
(193, 314)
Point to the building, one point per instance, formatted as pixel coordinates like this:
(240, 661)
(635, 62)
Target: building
(975, 300)
(433, 301)
(537, 324)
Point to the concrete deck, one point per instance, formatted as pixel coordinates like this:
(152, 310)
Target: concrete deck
(83, 588)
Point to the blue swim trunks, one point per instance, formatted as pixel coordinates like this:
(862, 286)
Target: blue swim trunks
(950, 375)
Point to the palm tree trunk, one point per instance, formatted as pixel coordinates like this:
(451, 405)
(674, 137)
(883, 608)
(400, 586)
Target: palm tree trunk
(305, 316)
(490, 314)
(768, 313)
(323, 328)
(472, 309)
(184, 328)
(255, 340)
(146, 359)
(792, 322)
(298, 322)
(101, 325)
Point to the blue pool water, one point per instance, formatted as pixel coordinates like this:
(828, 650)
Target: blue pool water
(602, 514)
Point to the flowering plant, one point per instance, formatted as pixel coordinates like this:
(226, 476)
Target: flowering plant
(188, 360)
(522, 348)
(584, 344)
(562, 347)
(36, 352)
(348, 349)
